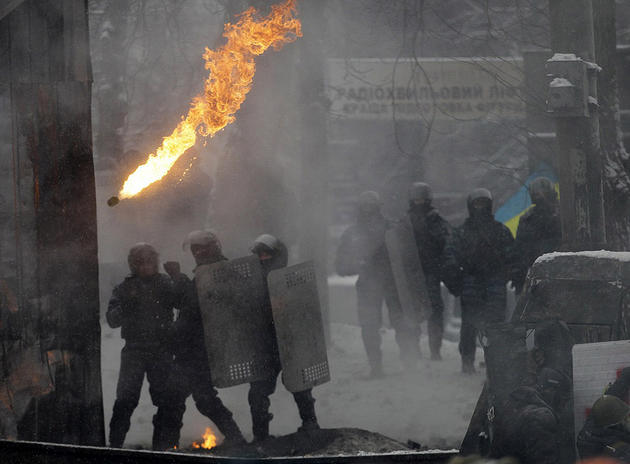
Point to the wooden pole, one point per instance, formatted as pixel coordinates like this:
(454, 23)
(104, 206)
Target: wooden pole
(580, 163)
(48, 77)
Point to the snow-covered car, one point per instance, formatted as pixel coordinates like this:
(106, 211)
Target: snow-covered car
(588, 290)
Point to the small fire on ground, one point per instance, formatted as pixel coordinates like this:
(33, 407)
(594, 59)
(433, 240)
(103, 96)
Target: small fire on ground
(209, 440)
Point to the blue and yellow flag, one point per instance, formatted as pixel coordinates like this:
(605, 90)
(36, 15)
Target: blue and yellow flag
(518, 204)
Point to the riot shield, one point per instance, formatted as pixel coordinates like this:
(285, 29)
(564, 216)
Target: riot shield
(407, 270)
(299, 329)
(595, 366)
(231, 296)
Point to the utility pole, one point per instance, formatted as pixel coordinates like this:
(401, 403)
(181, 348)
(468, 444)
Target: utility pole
(573, 102)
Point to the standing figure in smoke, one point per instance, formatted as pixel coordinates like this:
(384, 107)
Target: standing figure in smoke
(142, 305)
(362, 251)
(273, 255)
(191, 374)
(431, 233)
(538, 230)
(477, 261)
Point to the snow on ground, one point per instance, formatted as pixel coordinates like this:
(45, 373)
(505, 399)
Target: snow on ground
(431, 405)
(623, 256)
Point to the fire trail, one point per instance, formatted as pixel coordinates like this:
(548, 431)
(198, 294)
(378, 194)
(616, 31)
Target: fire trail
(232, 68)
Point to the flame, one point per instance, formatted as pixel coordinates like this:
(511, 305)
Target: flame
(209, 440)
(232, 68)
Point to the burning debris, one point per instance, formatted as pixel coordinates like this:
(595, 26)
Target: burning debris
(209, 440)
(232, 68)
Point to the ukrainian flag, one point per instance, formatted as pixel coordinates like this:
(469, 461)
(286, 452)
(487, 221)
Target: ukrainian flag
(519, 203)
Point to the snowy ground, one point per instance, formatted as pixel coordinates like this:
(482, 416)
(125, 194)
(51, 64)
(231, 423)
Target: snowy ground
(431, 406)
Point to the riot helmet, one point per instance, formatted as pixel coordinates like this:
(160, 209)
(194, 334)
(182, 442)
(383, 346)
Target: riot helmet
(480, 203)
(609, 411)
(205, 246)
(542, 191)
(369, 203)
(143, 260)
(272, 252)
(420, 194)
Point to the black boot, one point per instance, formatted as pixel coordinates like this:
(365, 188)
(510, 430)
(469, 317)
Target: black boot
(157, 442)
(167, 424)
(306, 407)
(120, 422)
(260, 426)
(116, 439)
(232, 433)
(214, 409)
(309, 426)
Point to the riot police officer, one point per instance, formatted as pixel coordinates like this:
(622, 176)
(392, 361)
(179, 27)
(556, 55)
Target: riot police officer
(478, 261)
(142, 305)
(431, 232)
(273, 255)
(538, 230)
(362, 251)
(191, 374)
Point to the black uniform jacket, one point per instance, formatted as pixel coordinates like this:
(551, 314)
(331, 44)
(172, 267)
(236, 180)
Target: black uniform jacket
(143, 308)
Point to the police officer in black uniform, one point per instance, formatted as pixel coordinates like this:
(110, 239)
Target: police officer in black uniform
(273, 255)
(539, 230)
(478, 260)
(431, 232)
(362, 251)
(191, 374)
(142, 305)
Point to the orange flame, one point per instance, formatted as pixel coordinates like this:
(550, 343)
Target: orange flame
(232, 70)
(209, 440)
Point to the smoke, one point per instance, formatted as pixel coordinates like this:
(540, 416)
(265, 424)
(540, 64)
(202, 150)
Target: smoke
(286, 166)
(290, 165)
(293, 165)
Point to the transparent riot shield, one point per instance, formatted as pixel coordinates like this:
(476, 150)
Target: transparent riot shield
(231, 297)
(407, 271)
(299, 328)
